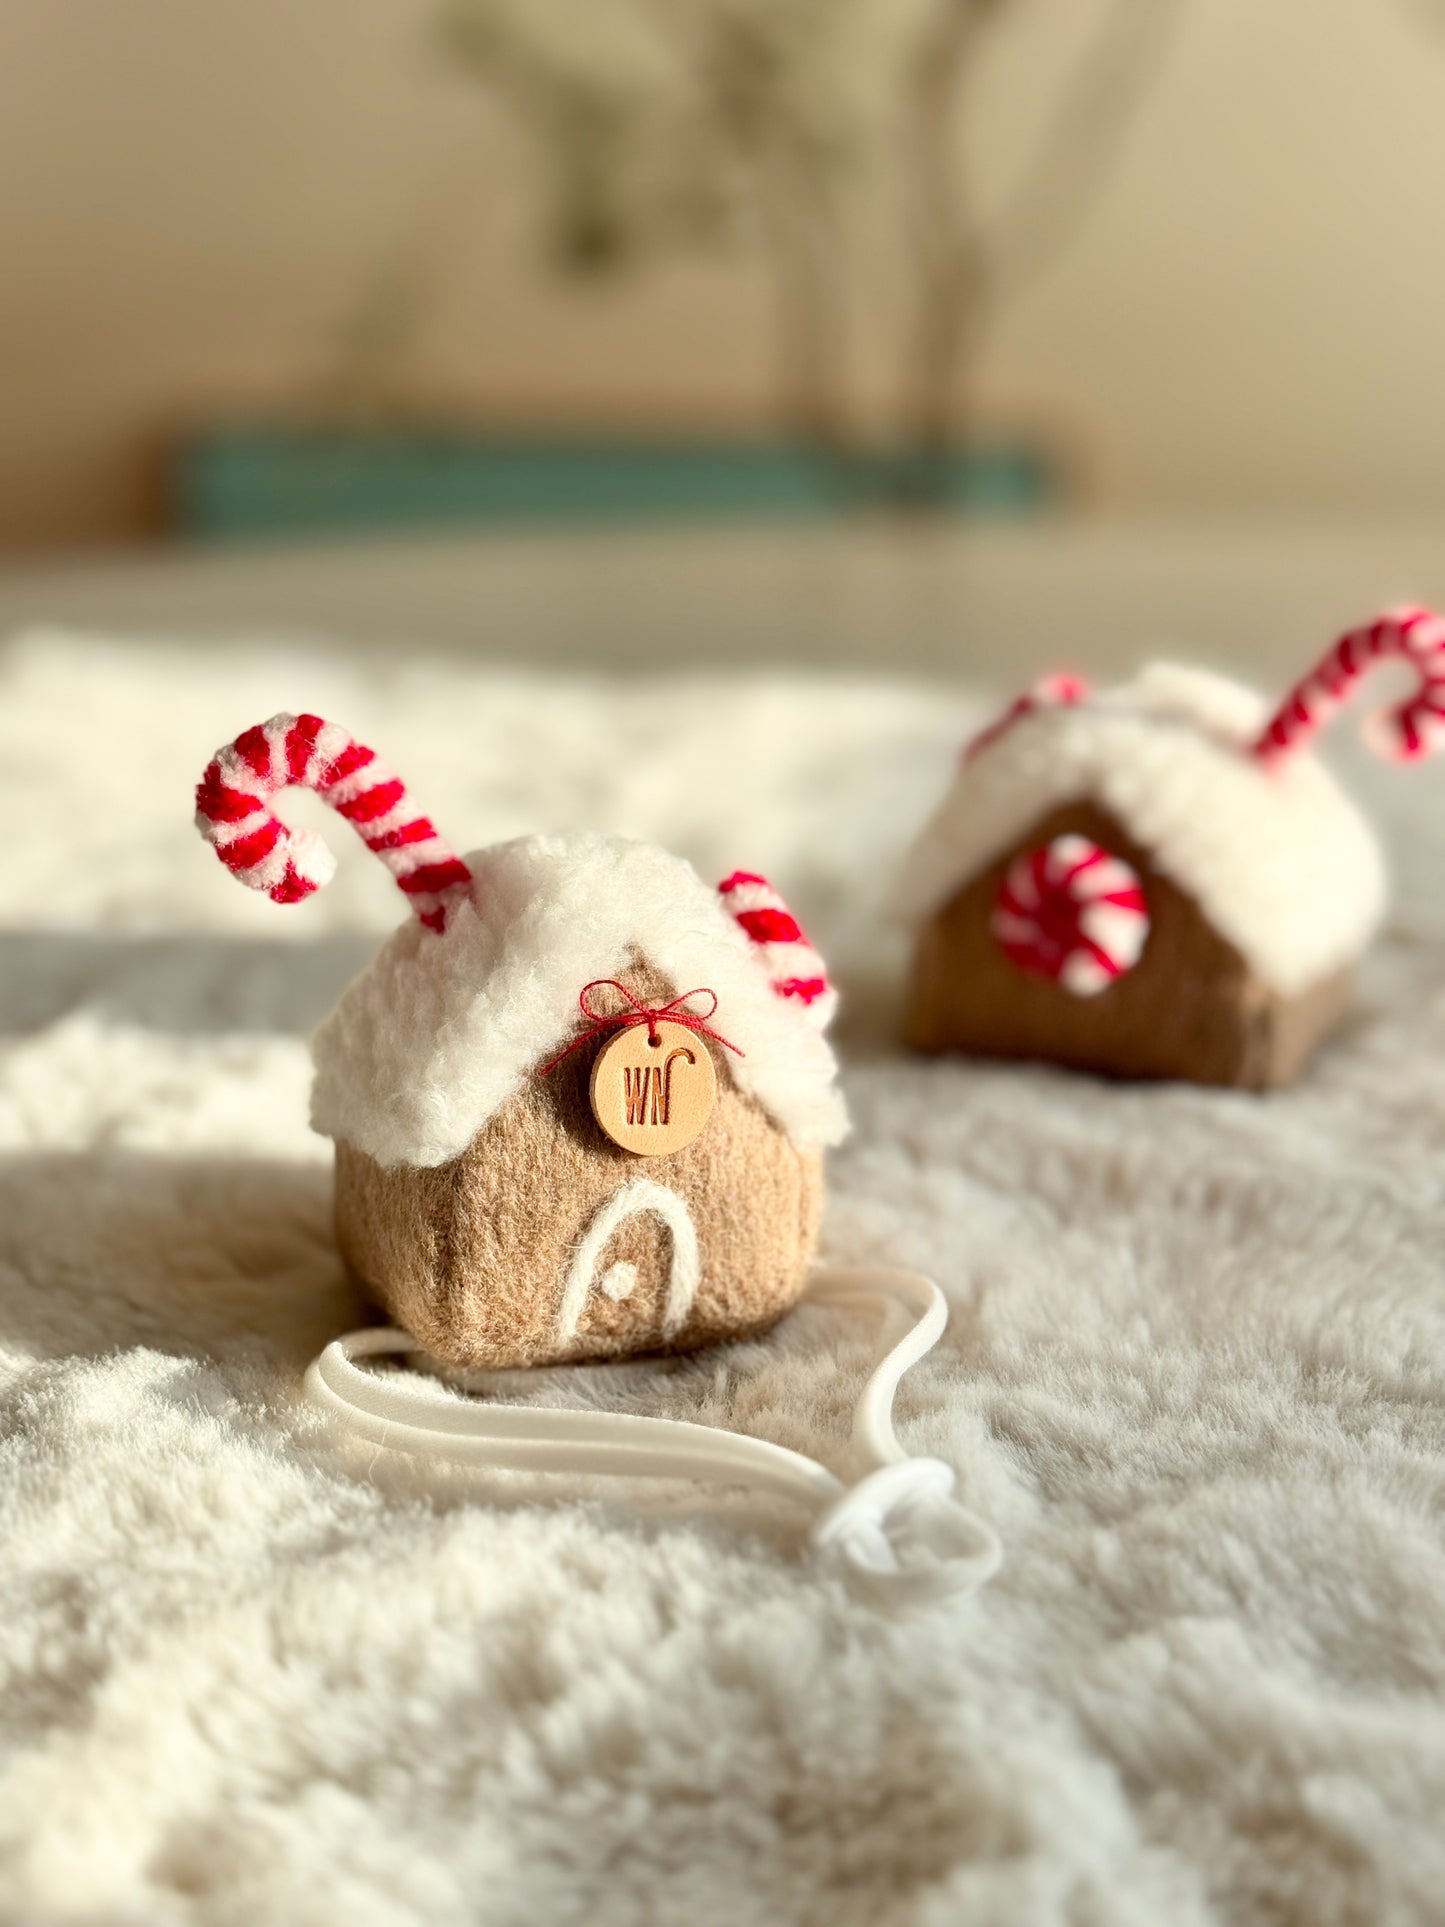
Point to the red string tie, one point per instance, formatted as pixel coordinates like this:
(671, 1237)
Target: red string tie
(650, 1014)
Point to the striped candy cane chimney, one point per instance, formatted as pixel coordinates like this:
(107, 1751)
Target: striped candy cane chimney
(796, 969)
(1412, 729)
(234, 814)
(1059, 691)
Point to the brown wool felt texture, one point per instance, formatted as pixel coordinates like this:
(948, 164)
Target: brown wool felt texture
(1191, 1008)
(470, 1256)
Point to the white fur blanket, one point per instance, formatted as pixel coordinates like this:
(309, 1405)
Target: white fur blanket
(1195, 1377)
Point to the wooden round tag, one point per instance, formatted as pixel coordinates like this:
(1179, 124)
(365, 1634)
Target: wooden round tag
(652, 1096)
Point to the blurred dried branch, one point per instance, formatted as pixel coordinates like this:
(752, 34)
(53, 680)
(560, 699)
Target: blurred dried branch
(711, 124)
(966, 261)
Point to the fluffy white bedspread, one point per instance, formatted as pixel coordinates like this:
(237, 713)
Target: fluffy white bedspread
(1195, 1377)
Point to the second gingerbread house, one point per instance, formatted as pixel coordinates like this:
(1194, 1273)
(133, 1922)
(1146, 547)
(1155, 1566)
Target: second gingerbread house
(1158, 880)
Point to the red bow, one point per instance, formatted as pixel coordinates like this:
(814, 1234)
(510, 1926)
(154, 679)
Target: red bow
(641, 1013)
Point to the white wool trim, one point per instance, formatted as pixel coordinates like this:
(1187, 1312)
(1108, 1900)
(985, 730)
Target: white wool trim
(220, 834)
(754, 896)
(275, 733)
(307, 853)
(435, 1036)
(393, 819)
(403, 858)
(331, 740)
(236, 772)
(684, 1270)
(1278, 858)
(361, 782)
(784, 961)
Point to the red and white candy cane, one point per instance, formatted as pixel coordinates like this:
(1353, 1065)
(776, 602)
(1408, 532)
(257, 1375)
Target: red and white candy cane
(234, 814)
(1049, 692)
(796, 969)
(1412, 729)
(1072, 912)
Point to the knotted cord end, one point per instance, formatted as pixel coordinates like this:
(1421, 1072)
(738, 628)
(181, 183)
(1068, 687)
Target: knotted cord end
(908, 1504)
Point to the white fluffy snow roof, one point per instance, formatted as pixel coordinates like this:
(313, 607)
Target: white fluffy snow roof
(439, 1031)
(1277, 857)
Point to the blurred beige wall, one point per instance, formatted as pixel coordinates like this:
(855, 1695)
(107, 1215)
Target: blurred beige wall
(193, 194)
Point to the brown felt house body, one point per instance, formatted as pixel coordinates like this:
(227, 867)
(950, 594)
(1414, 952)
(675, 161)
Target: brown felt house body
(479, 1200)
(1259, 888)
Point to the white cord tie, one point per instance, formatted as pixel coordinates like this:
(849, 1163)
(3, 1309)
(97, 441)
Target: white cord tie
(895, 1504)
(912, 1502)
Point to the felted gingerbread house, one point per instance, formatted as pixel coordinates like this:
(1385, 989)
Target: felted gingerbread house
(1159, 880)
(579, 1102)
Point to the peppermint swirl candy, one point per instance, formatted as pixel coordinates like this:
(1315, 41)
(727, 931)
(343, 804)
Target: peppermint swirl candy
(1071, 912)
